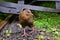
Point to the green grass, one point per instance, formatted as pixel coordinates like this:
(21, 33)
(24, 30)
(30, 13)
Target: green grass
(45, 4)
(15, 1)
(3, 16)
(49, 19)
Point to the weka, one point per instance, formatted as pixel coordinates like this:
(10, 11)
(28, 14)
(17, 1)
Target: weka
(26, 19)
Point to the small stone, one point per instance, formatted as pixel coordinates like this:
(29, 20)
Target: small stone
(43, 30)
(19, 25)
(48, 38)
(23, 39)
(42, 33)
(35, 39)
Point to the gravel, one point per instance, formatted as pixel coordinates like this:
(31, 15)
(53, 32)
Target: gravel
(17, 33)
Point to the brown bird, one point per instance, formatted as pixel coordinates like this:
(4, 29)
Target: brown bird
(26, 19)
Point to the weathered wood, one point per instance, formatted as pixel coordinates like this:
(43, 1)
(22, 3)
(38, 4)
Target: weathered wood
(8, 10)
(39, 8)
(9, 5)
(5, 7)
(20, 1)
(58, 5)
(47, 0)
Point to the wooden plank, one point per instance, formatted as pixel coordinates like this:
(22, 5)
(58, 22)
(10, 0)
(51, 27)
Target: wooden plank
(20, 1)
(8, 10)
(39, 8)
(47, 0)
(19, 8)
(58, 5)
(9, 5)
(15, 8)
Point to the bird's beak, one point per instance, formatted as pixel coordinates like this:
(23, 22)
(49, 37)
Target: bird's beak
(32, 14)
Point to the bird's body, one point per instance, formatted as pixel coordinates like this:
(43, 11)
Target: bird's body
(26, 19)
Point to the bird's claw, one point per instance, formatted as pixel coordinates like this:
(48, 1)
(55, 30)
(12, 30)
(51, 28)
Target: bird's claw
(31, 32)
(25, 35)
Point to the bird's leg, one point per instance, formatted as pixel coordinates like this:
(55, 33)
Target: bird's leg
(32, 29)
(24, 29)
(24, 32)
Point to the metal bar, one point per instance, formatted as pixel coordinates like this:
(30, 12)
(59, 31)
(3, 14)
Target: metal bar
(47, 0)
(39, 8)
(8, 10)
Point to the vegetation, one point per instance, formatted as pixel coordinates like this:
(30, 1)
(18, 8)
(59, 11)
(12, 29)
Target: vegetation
(48, 20)
(15, 1)
(3, 16)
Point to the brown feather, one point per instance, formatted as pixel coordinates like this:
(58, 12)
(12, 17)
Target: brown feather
(26, 18)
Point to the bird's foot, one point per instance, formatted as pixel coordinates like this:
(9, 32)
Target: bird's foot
(31, 32)
(25, 35)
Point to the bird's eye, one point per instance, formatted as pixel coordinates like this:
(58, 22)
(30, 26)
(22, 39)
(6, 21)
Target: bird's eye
(27, 14)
